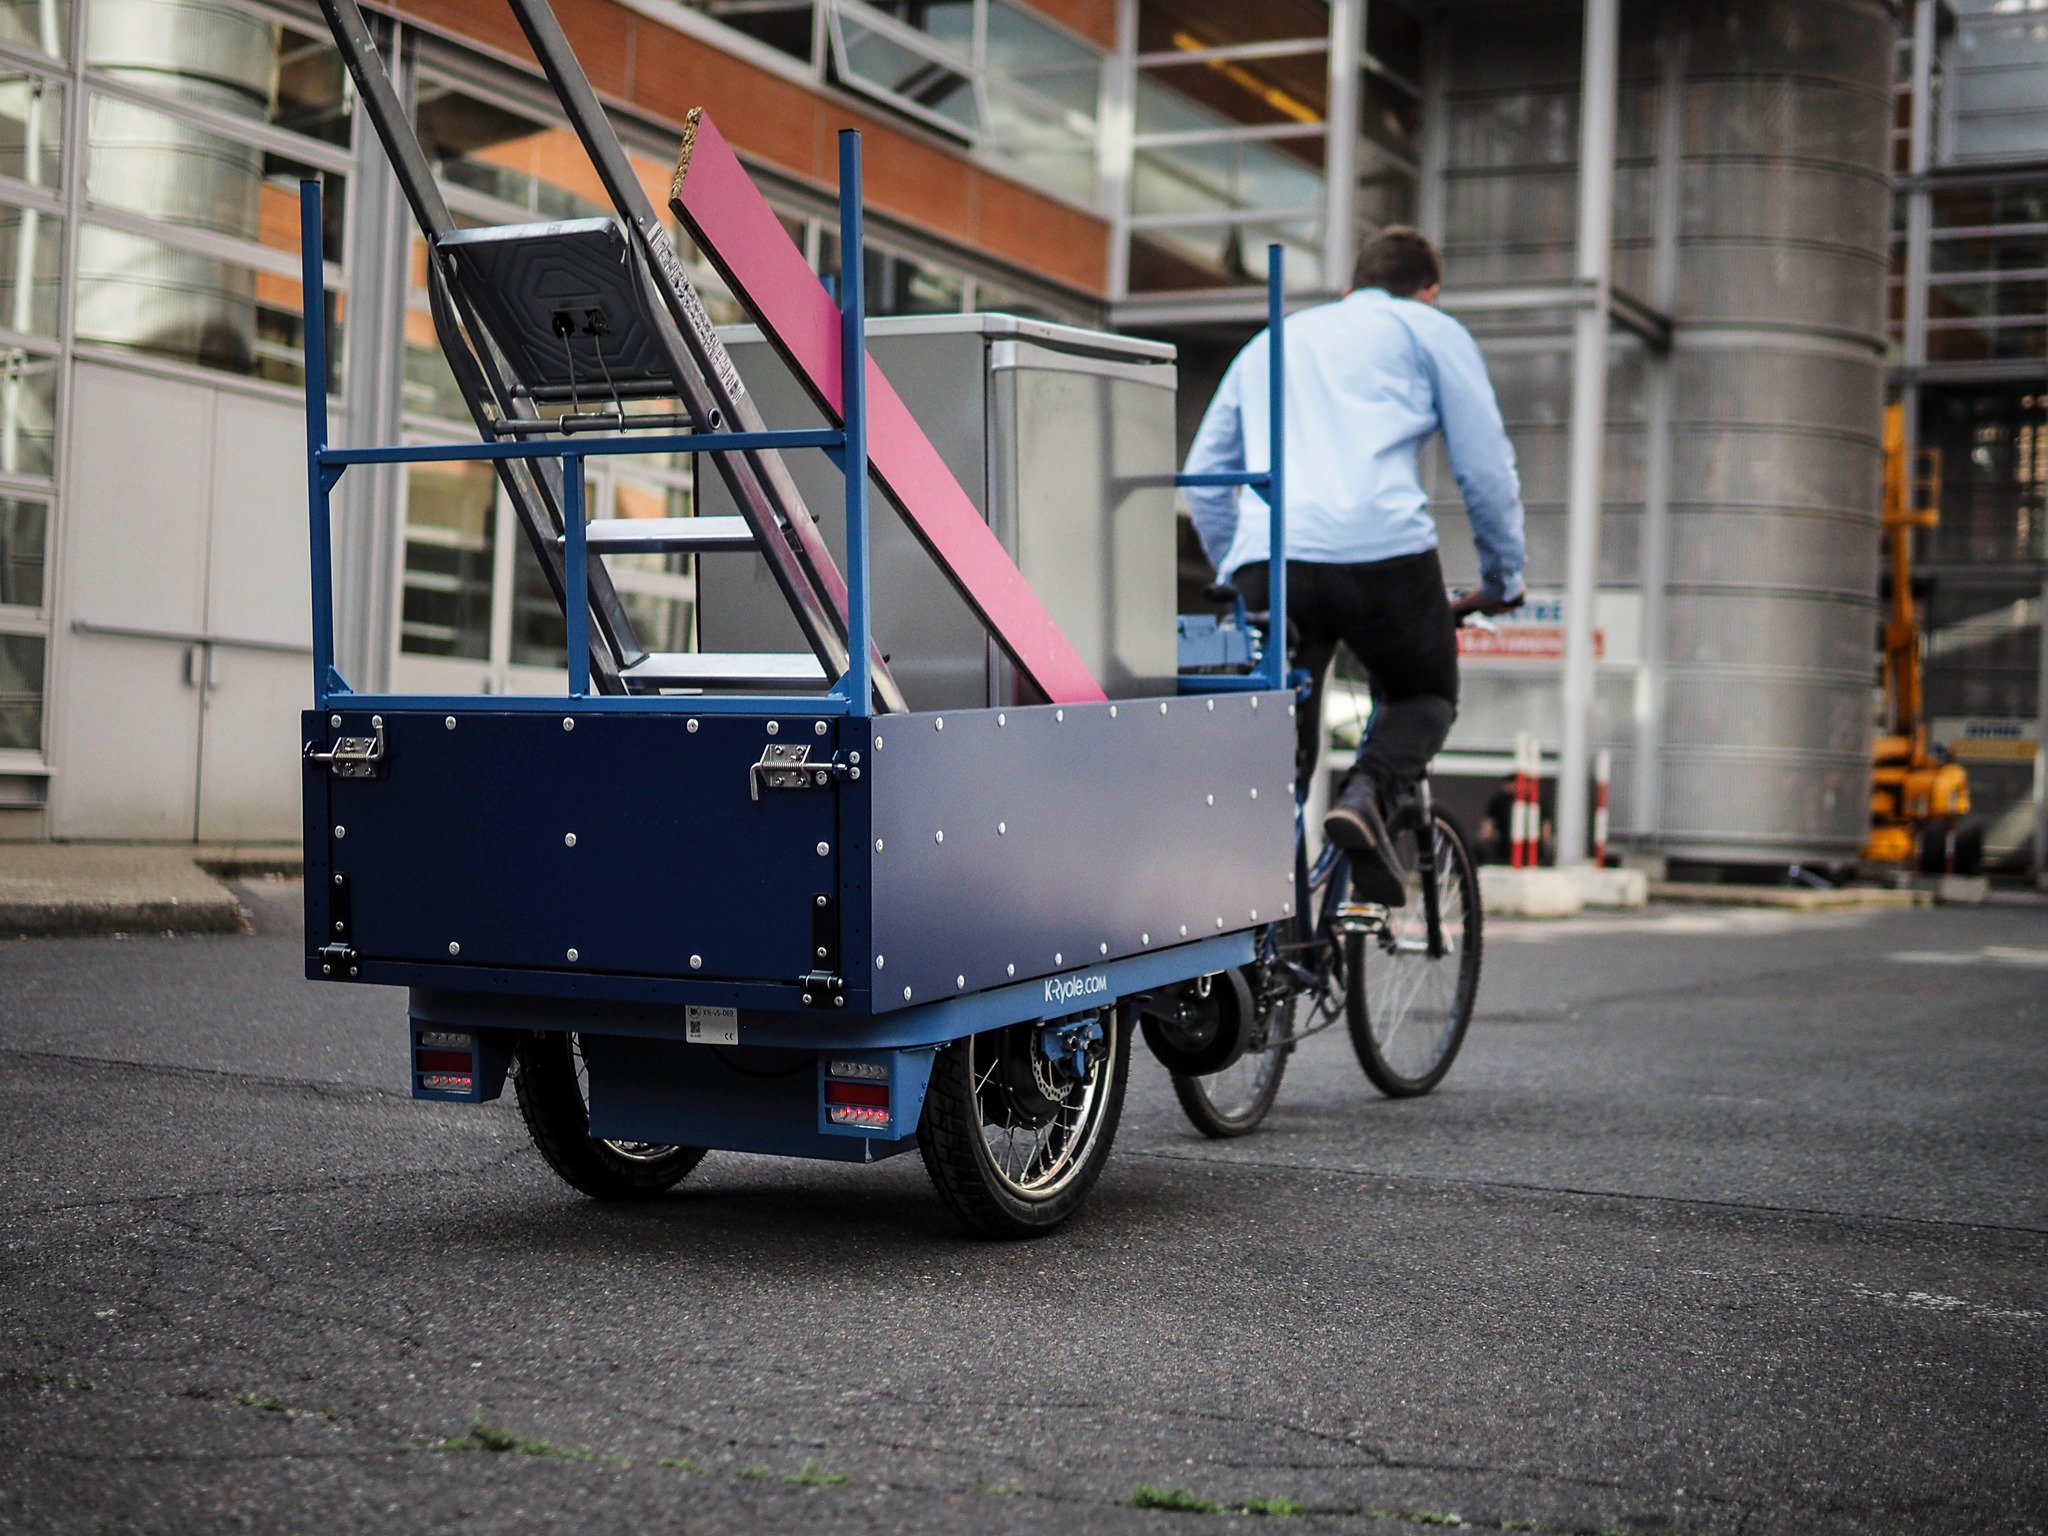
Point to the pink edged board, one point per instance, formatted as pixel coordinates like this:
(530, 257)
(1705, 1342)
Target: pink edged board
(726, 215)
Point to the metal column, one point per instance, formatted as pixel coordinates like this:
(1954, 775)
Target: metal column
(1340, 143)
(1646, 796)
(1589, 417)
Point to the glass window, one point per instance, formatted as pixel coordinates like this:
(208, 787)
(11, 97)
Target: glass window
(162, 167)
(137, 292)
(28, 411)
(506, 156)
(31, 129)
(784, 25)
(23, 527)
(31, 254)
(925, 70)
(450, 538)
(1223, 255)
(21, 693)
(44, 25)
(539, 637)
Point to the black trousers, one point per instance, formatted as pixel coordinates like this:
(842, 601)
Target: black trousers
(1396, 619)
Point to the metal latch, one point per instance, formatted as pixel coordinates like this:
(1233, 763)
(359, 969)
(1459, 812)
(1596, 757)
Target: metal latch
(789, 765)
(353, 757)
(338, 960)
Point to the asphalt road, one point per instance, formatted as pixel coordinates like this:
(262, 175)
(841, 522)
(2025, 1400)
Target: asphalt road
(1722, 1223)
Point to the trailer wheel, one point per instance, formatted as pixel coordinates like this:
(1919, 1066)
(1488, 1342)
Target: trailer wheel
(1018, 1121)
(553, 1091)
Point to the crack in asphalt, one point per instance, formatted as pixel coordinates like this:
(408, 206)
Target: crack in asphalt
(1707, 1202)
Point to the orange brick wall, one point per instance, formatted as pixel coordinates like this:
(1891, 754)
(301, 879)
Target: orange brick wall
(663, 74)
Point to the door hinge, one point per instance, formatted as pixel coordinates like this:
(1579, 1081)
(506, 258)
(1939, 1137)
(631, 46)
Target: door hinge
(339, 960)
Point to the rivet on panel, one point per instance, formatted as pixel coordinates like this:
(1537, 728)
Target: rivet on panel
(1162, 706)
(817, 727)
(1059, 714)
(1183, 930)
(572, 955)
(449, 722)
(1002, 829)
(1211, 799)
(774, 728)
(878, 743)
(454, 948)
(1058, 959)
(1144, 938)
(1012, 969)
(1286, 907)
(939, 836)
(824, 849)
(878, 845)
(1255, 914)
(339, 878)
(878, 962)
(568, 724)
(1255, 792)
(1002, 719)
(1255, 701)
(1104, 948)
(696, 962)
(335, 721)
(376, 722)
(853, 757)
(959, 982)
(906, 994)
(821, 901)
(341, 831)
(1212, 706)
(1219, 922)
(1112, 711)
(568, 839)
(939, 724)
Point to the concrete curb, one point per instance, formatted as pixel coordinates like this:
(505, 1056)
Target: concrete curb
(69, 890)
(1788, 898)
(1548, 893)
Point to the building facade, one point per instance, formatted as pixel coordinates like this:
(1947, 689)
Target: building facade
(1109, 162)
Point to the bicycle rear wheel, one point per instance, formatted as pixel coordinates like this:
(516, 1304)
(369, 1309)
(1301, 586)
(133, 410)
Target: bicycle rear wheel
(1233, 1102)
(1407, 1009)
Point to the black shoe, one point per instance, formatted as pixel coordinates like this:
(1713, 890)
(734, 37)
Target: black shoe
(1356, 824)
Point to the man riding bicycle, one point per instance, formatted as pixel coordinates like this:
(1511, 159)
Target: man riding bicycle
(1369, 379)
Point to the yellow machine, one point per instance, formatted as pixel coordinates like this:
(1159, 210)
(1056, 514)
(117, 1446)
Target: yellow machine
(1916, 797)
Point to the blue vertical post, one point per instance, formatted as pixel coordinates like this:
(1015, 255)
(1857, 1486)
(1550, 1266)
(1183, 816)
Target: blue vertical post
(575, 576)
(854, 413)
(313, 294)
(1275, 660)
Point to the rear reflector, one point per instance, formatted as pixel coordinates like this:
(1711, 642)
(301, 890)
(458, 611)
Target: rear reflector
(873, 1071)
(876, 1094)
(858, 1114)
(443, 1061)
(446, 1039)
(446, 1082)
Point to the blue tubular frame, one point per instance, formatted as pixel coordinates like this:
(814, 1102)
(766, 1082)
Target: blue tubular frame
(1271, 672)
(852, 693)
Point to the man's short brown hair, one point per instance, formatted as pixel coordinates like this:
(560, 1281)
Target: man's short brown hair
(1401, 260)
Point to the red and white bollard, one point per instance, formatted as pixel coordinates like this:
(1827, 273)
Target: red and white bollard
(1603, 765)
(1525, 826)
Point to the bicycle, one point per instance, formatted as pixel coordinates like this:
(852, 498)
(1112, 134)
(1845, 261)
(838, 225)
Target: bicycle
(1382, 969)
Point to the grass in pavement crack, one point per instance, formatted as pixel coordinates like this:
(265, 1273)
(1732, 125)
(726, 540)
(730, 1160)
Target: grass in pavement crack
(495, 1438)
(1273, 1507)
(811, 1475)
(1148, 1497)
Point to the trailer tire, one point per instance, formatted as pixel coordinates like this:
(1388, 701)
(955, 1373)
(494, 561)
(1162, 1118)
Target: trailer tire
(969, 1100)
(552, 1101)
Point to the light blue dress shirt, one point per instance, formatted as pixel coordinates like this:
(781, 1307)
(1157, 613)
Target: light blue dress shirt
(1369, 378)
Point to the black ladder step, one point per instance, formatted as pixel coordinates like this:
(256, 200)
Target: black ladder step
(666, 535)
(694, 669)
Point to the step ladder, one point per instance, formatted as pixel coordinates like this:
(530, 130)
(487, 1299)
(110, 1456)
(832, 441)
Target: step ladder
(576, 325)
